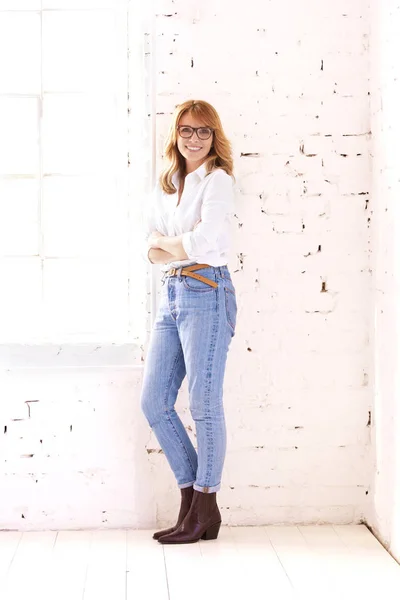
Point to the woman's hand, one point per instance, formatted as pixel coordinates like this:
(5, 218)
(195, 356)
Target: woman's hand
(153, 239)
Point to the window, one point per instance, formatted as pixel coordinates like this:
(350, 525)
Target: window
(75, 165)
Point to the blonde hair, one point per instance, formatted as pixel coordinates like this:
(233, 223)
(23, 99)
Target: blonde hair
(220, 155)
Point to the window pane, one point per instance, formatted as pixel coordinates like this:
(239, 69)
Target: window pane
(20, 298)
(20, 44)
(85, 297)
(20, 5)
(19, 224)
(19, 143)
(79, 134)
(82, 4)
(84, 216)
(87, 64)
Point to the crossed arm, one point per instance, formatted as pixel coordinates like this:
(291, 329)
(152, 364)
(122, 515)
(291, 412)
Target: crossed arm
(158, 256)
(164, 248)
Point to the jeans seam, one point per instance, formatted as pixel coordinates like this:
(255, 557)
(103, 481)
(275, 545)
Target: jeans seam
(210, 455)
(173, 370)
(228, 318)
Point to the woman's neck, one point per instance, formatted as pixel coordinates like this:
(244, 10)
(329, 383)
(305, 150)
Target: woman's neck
(190, 167)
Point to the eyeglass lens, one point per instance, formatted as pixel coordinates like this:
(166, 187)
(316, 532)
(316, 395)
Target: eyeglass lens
(202, 132)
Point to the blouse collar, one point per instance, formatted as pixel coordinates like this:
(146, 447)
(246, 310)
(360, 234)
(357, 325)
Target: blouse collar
(200, 172)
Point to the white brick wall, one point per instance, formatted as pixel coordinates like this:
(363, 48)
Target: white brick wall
(297, 385)
(385, 77)
(290, 81)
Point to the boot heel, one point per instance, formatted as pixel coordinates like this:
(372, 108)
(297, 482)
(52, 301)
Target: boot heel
(212, 532)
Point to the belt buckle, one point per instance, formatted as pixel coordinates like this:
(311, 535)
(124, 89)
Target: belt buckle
(172, 271)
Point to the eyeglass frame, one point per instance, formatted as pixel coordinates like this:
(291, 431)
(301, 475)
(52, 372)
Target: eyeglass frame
(194, 129)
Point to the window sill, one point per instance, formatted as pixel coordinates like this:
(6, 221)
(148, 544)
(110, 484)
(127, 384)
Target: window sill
(71, 354)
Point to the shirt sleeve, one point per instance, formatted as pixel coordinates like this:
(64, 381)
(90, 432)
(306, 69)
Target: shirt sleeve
(148, 224)
(217, 205)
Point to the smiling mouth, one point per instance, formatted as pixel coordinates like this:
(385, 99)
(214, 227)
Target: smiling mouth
(194, 148)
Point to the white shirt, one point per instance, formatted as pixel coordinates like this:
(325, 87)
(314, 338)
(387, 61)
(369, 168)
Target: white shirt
(206, 197)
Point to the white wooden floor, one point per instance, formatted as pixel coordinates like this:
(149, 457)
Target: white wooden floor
(271, 562)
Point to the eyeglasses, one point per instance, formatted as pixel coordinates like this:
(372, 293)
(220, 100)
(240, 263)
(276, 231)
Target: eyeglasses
(203, 133)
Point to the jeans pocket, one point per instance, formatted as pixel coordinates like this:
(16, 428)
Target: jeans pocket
(230, 306)
(195, 285)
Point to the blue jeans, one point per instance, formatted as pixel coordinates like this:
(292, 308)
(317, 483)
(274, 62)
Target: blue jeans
(191, 335)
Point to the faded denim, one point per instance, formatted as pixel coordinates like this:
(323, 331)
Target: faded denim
(191, 336)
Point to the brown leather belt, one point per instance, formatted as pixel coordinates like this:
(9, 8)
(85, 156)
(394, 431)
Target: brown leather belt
(188, 272)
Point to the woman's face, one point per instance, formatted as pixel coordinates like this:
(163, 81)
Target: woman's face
(193, 149)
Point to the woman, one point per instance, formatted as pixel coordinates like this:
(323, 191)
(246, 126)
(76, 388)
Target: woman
(187, 226)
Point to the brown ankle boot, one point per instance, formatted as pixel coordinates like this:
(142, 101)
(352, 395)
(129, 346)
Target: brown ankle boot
(186, 500)
(202, 521)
